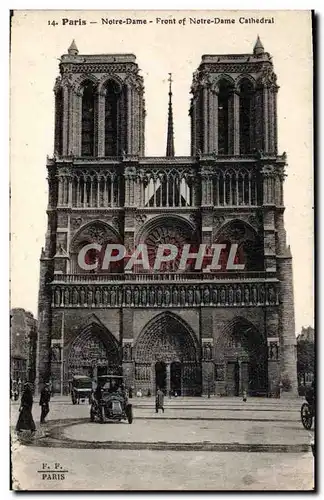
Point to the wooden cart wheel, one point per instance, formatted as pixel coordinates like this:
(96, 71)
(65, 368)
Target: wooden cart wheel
(306, 416)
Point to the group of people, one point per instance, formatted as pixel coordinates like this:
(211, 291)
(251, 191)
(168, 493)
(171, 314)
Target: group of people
(25, 420)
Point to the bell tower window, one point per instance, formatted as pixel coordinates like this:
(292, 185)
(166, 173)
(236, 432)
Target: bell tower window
(246, 93)
(223, 121)
(88, 120)
(59, 121)
(111, 119)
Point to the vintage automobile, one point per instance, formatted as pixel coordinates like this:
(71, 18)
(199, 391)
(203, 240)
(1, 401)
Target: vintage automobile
(81, 389)
(109, 401)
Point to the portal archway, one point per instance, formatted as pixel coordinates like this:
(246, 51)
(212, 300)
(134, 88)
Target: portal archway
(245, 354)
(94, 352)
(168, 340)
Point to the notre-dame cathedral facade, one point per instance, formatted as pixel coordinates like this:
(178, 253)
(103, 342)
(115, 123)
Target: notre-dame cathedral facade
(191, 332)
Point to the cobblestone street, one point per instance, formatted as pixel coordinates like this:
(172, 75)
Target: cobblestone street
(197, 444)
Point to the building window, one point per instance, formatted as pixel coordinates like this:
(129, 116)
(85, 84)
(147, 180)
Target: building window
(246, 110)
(111, 118)
(59, 122)
(88, 120)
(223, 121)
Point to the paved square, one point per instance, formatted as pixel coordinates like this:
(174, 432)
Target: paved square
(197, 444)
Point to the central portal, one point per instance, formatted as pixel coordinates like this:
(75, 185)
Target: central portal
(167, 355)
(160, 376)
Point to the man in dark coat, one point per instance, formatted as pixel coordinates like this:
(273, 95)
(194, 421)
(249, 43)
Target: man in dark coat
(159, 401)
(44, 402)
(25, 419)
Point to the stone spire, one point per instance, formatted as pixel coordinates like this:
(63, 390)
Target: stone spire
(170, 139)
(258, 47)
(73, 49)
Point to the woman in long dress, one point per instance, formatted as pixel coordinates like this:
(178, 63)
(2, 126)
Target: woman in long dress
(25, 419)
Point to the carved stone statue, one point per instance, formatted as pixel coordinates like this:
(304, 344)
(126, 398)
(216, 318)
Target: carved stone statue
(206, 296)
(207, 351)
(167, 297)
(214, 295)
(82, 296)
(119, 296)
(136, 297)
(271, 295)
(230, 296)
(223, 296)
(152, 297)
(127, 351)
(113, 297)
(238, 295)
(246, 295)
(66, 297)
(254, 295)
(57, 297)
(55, 353)
(198, 296)
(175, 297)
(75, 297)
(97, 297)
(190, 297)
(105, 296)
(128, 296)
(90, 297)
(272, 351)
(261, 295)
(159, 297)
(144, 297)
(182, 296)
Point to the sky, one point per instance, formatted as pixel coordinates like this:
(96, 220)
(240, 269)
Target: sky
(160, 48)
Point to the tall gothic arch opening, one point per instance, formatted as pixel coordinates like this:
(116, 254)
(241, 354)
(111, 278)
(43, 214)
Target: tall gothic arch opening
(88, 119)
(112, 105)
(167, 354)
(59, 121)
(245, 349)
(246, 117)
(224, 93)
(94, 352)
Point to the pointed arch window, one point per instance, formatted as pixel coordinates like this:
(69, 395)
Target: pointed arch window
(246, 117)
(59, 121)
(88, 120)
(111, 118)
(223, 117)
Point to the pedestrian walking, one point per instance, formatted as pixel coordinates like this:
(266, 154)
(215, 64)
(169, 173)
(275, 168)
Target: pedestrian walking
(44, 402)
(25, 420)
(19, 386)
(159, 401)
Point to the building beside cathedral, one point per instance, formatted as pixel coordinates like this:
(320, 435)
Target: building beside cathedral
(186, 331)
(23, 343)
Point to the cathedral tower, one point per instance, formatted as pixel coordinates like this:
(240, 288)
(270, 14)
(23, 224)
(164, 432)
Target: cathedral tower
(99, 105)
(234, 104)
